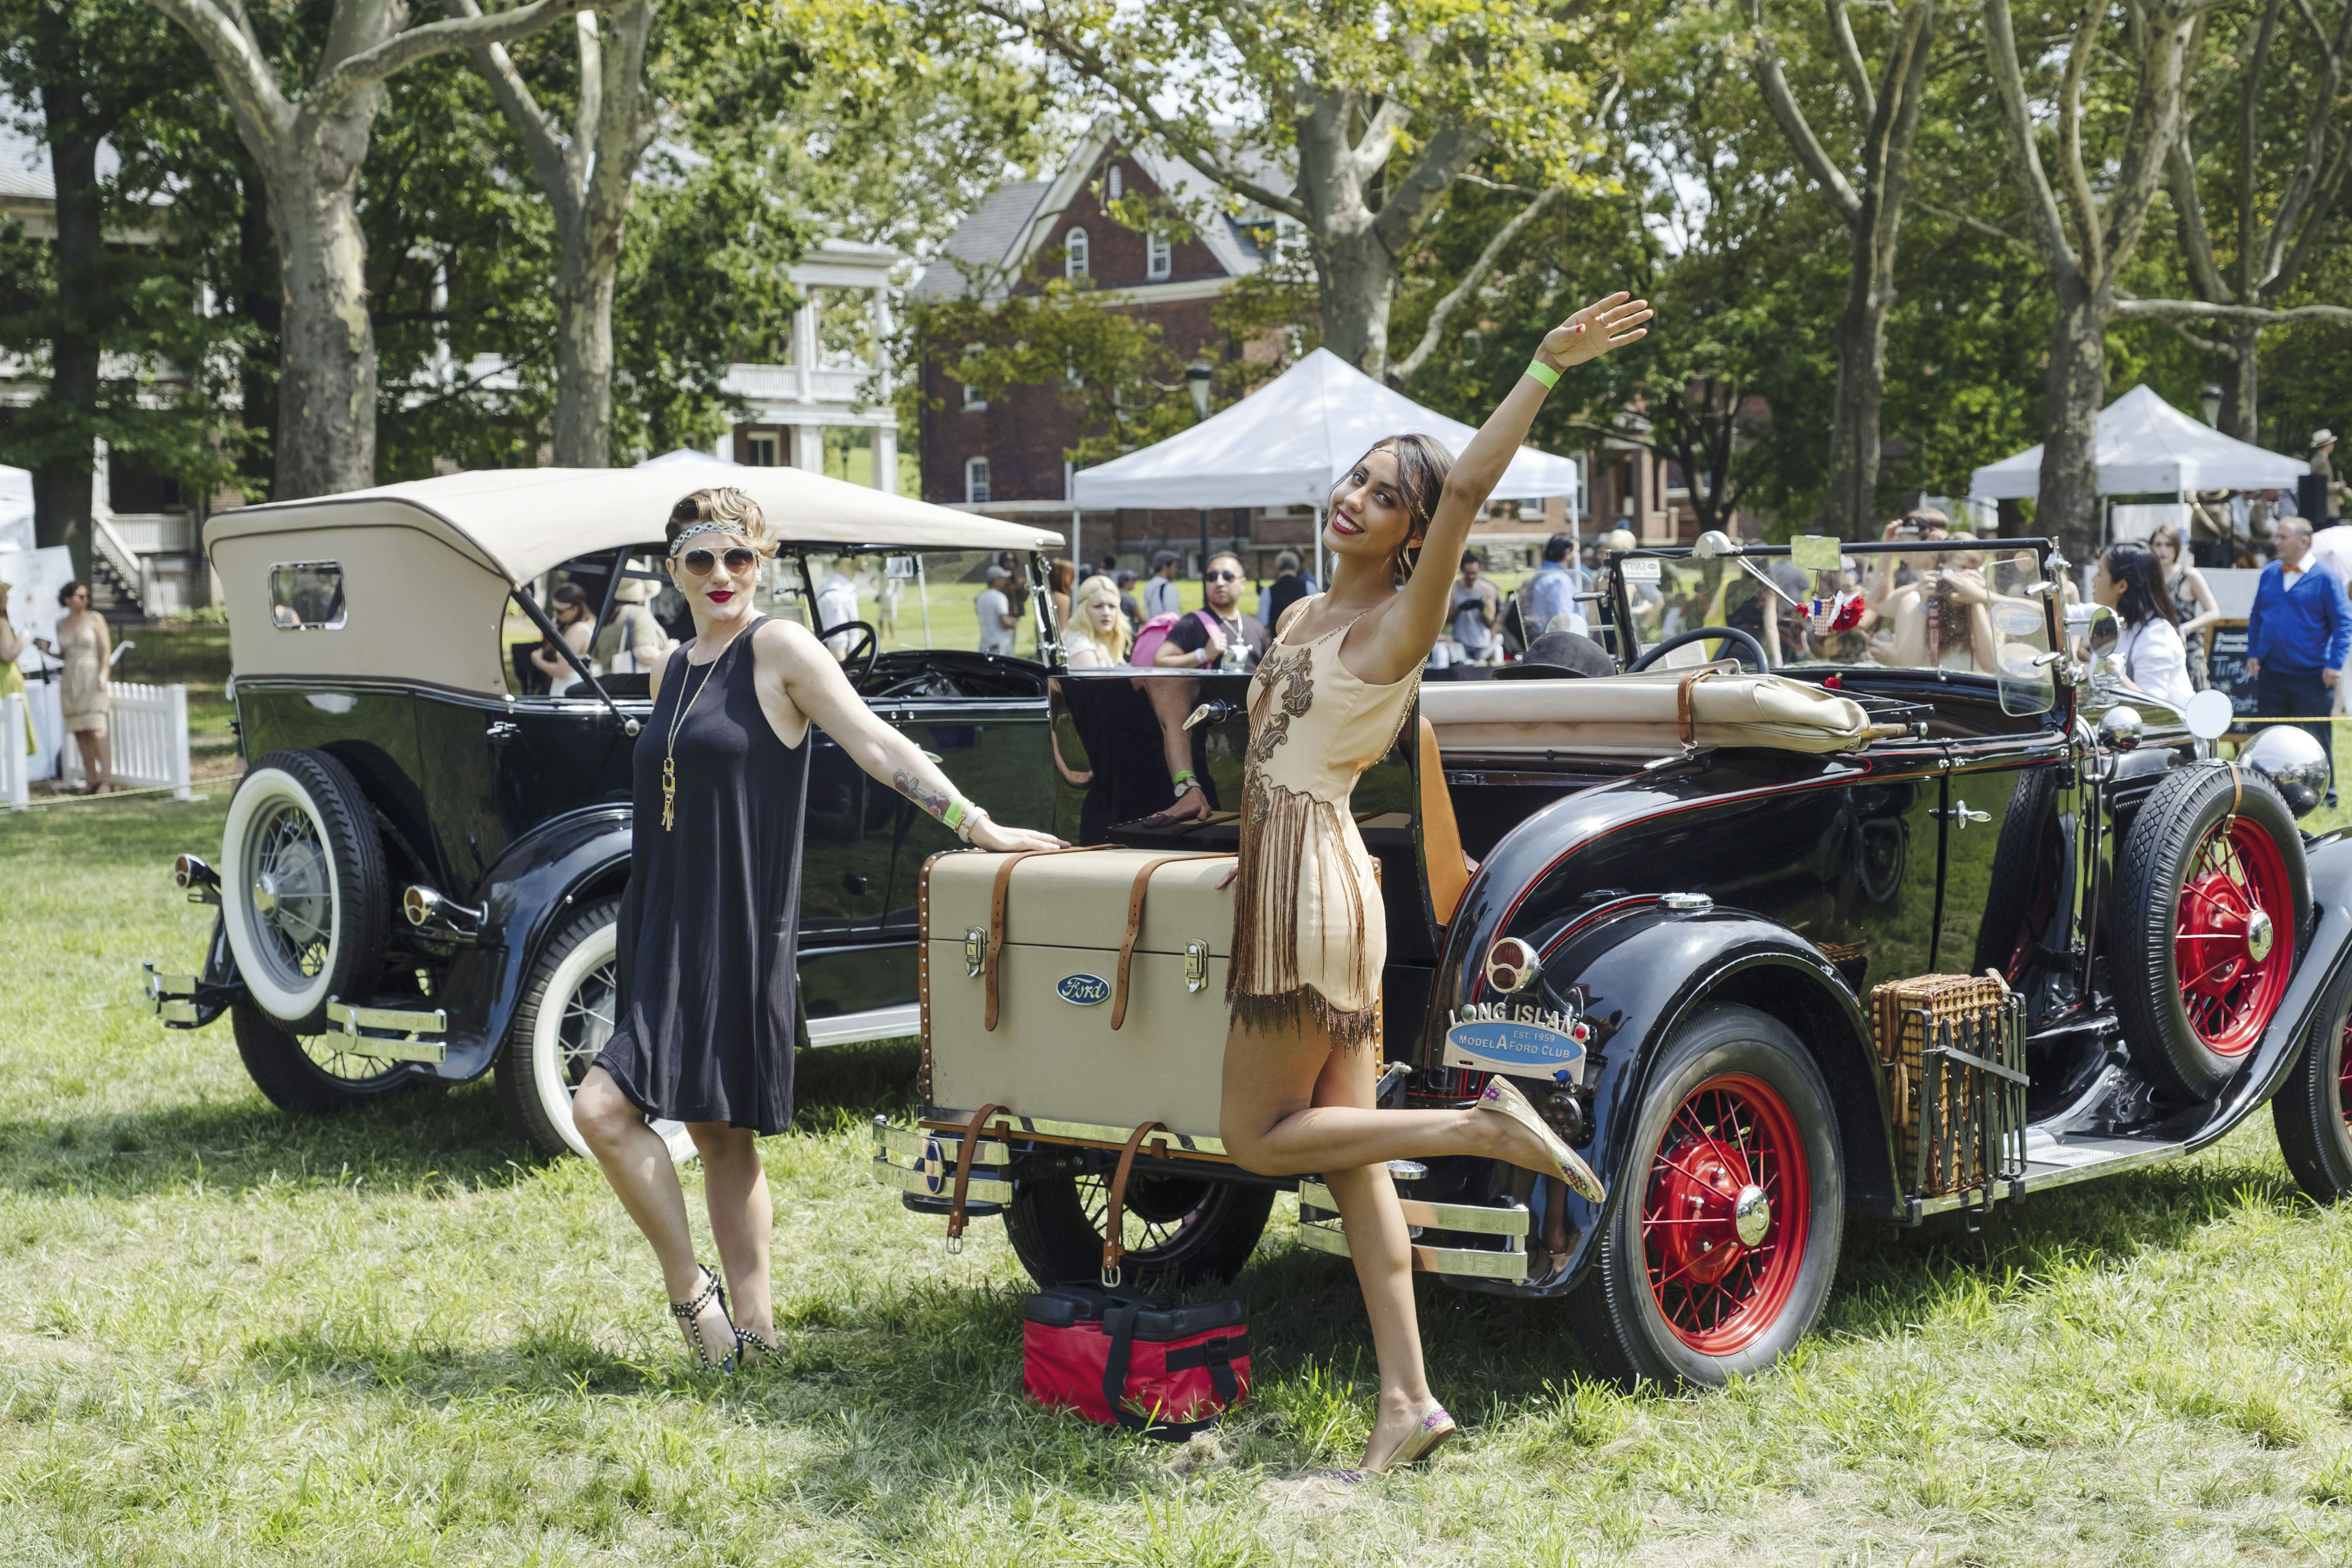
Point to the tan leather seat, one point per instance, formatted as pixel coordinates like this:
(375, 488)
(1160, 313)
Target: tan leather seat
(1450, 870)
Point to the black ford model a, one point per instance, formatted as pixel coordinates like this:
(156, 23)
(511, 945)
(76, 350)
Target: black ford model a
(421, 865)
(1936, 914)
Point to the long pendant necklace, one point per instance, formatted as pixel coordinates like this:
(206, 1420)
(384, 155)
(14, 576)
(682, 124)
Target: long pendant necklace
(669, 761)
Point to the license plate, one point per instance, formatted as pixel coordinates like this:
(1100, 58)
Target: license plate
(1528, 1050)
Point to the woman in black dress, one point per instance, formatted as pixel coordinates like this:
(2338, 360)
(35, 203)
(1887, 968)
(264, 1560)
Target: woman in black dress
(709, 924)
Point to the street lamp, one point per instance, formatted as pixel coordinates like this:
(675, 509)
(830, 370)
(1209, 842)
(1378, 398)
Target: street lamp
(2212, 398)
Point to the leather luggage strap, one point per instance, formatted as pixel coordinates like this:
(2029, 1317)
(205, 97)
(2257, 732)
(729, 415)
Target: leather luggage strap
(965, 1153)
(1135, 922)
(1114, 1216)
(1685, 711)
(997, 900)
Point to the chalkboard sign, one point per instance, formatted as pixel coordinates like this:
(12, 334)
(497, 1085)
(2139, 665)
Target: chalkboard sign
(2225, 667)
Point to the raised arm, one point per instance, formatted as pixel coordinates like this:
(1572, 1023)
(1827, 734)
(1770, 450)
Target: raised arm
(814, 682)
(1408, 631)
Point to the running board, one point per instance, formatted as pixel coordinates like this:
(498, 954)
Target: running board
(877, 1024)
(2058, 1161)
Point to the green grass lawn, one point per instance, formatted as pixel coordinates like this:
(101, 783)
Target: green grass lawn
(229, 1336)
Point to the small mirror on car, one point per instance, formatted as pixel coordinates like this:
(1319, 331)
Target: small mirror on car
(1714, 545)
(2096, 626)
(2208, 715)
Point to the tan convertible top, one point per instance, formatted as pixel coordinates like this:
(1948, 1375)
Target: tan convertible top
(521, 522)
(1641, 715)
(424, 568)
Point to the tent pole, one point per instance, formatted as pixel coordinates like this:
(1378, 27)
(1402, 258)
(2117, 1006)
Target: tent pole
(922, 592)
(1322, 584)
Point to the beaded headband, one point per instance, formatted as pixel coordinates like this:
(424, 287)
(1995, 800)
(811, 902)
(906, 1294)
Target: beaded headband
(712, 525)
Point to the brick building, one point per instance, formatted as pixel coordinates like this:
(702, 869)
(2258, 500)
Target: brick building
(1004, 456)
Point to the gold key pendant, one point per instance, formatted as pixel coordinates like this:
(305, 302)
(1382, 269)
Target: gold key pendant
(669, 791)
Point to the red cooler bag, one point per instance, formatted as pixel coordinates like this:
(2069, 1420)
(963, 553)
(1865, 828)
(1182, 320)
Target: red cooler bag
(1136, 1361)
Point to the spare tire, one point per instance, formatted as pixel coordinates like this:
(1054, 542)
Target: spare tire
(304, 891)
(2210, 892)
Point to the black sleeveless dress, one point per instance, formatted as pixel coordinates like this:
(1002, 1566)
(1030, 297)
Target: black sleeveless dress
(710, 923)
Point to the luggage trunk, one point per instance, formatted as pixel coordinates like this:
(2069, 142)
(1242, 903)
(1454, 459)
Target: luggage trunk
(1050, 1052)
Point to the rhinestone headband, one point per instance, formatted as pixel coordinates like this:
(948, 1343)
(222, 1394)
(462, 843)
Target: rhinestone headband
(712, 525)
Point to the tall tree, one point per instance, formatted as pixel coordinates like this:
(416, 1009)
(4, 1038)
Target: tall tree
(1374, 113)
(2277, 169)
(2086, 239)
(1883, 120)
(588, 174)
(110, 302)
(309, 144)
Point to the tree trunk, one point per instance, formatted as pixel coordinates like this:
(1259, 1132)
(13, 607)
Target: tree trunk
(584, 359)
(61, 485)
(1849, 505)
(327, 379)
(2067, 504)
(1356, 277)
(257, 300)
(2241, 380)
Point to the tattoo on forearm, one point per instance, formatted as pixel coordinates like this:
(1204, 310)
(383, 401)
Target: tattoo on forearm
(931, 800)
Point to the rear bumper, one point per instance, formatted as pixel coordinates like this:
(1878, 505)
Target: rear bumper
(1463, 1241)
(393, 1034)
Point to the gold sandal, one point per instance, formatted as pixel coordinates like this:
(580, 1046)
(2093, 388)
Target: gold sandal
(1503, 1097)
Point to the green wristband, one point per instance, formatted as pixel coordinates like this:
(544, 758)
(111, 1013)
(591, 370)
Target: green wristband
(1538, 371)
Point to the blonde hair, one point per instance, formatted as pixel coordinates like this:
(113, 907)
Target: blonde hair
(1120, 639)
(721, 505)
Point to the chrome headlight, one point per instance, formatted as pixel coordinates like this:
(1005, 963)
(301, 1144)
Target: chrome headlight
(2294, 764)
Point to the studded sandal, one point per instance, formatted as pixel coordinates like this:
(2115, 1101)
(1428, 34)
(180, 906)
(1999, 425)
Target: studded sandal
(689, 1321)
(751, 1347)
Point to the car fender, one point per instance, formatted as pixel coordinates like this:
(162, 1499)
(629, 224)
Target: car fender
(1637, 971)
(524, 894)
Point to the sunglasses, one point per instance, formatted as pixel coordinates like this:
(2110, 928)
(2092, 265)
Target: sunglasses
(698, 563)
(1224, 576)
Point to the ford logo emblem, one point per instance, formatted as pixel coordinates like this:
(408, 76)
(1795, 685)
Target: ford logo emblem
(1083, 990)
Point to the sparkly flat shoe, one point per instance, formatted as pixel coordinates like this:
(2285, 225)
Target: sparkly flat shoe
(689, 1321)
(1503, 1098)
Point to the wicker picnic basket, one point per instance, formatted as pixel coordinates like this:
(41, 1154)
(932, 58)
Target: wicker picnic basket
(1953, 1051)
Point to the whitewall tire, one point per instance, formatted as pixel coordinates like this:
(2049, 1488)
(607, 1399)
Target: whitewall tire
(567, 1013)
(303, 888)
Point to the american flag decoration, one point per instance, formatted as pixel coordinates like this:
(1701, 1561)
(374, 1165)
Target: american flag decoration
(1841, 614)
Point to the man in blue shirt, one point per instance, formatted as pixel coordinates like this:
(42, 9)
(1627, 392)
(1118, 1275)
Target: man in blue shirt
(2296, 638)
(1551, 590)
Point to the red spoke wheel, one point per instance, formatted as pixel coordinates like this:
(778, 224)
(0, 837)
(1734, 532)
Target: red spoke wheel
(2313, 1108)
(1721, 1243)
(1725, 1214)
(2210, 892)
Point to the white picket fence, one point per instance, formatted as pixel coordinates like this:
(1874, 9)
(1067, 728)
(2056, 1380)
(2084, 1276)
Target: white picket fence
(149, 725)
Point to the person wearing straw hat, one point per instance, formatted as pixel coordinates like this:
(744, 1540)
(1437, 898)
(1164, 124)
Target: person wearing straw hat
(2322, 468)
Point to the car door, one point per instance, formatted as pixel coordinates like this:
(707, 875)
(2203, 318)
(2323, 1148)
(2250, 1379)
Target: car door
(2000, 854)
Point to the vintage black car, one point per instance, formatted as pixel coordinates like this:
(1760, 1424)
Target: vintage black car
(1697, 926)
(421, 867)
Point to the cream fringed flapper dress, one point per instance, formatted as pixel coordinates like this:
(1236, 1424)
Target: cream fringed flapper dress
(1310, 936)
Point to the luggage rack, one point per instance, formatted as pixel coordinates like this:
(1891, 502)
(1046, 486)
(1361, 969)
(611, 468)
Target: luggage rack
(1968, 1142)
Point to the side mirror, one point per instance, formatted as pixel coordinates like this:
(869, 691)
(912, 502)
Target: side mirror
(2208, 715)
(1714, 545)
(2096, 626)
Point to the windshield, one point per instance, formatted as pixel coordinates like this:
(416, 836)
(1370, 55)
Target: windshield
(1960, 607)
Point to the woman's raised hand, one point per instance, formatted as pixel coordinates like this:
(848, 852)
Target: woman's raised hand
(1606, 323)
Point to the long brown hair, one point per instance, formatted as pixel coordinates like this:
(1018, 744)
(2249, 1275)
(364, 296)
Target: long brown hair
(1421, 465)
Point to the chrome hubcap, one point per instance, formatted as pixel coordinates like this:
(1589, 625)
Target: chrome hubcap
(2261, 936)
(1751, 1215)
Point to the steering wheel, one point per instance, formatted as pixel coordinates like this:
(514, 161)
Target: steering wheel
(869, 647)
(1701, 633)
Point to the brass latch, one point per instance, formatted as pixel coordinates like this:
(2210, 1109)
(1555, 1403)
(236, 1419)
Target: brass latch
(976, 951)
(1196, 966)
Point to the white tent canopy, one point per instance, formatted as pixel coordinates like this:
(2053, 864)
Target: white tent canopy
(2145, 445)
(1289, 442)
